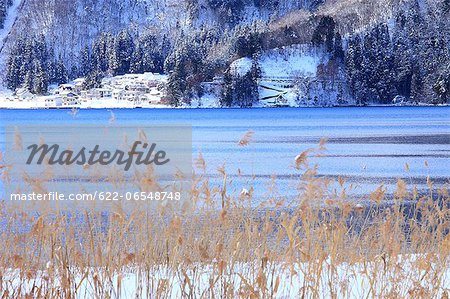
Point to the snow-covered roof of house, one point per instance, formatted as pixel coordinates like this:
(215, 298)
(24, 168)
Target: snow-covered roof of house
(130, 76)
(154, 92)
(104, 88)
(154, 77)
(66, 85)
(50, 98)
(22, 90)
(71, 94)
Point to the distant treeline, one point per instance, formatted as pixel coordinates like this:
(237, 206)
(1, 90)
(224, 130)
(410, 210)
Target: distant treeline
(409, 58)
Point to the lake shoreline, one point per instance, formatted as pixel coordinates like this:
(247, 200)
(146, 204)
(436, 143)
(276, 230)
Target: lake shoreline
(164, 107)
(222, 108)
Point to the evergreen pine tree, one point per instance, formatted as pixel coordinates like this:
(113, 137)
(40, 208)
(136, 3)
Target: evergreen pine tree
(93, 80)
(323, 34)
(136, 65)
(85, 63)
(353, 67)
(40, 83)
(338, 51)
(442, 86)
(62, 76)
(226, 99)
(28, 81)
(13, 73)
(123, 50)
(402, 63)
(177, 80)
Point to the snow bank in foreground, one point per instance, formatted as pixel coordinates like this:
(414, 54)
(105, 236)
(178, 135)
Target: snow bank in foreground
(403, 275)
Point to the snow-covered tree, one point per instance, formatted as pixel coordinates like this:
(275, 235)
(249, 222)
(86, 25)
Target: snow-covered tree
(123, 51)
(136, 65)
(40, 82)
(323, 34)
(85, 62)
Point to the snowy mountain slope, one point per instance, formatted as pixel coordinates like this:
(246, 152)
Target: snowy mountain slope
(70, 25)
(250, 10)
(294, 61)
(287, 62)
(11, 16)
(10, 20)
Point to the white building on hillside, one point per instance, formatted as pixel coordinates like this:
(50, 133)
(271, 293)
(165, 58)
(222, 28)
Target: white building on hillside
(78, 83)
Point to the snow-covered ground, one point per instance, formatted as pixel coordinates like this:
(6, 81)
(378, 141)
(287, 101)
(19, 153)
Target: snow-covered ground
(241, 66)
(206, 101)
(291, 62)
(41, 103)
(404, 275)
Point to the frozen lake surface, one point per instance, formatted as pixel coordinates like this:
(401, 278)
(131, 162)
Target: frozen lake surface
(368, 146)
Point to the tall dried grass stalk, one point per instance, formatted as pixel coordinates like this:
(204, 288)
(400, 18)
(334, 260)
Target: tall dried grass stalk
(321, 245)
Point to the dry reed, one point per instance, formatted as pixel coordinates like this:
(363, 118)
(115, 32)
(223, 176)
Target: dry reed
(322, 244)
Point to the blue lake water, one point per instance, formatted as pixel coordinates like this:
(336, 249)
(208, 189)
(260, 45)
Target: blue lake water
(368, 146)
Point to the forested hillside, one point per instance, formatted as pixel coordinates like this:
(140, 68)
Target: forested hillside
(4, 5)
(379, 49)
